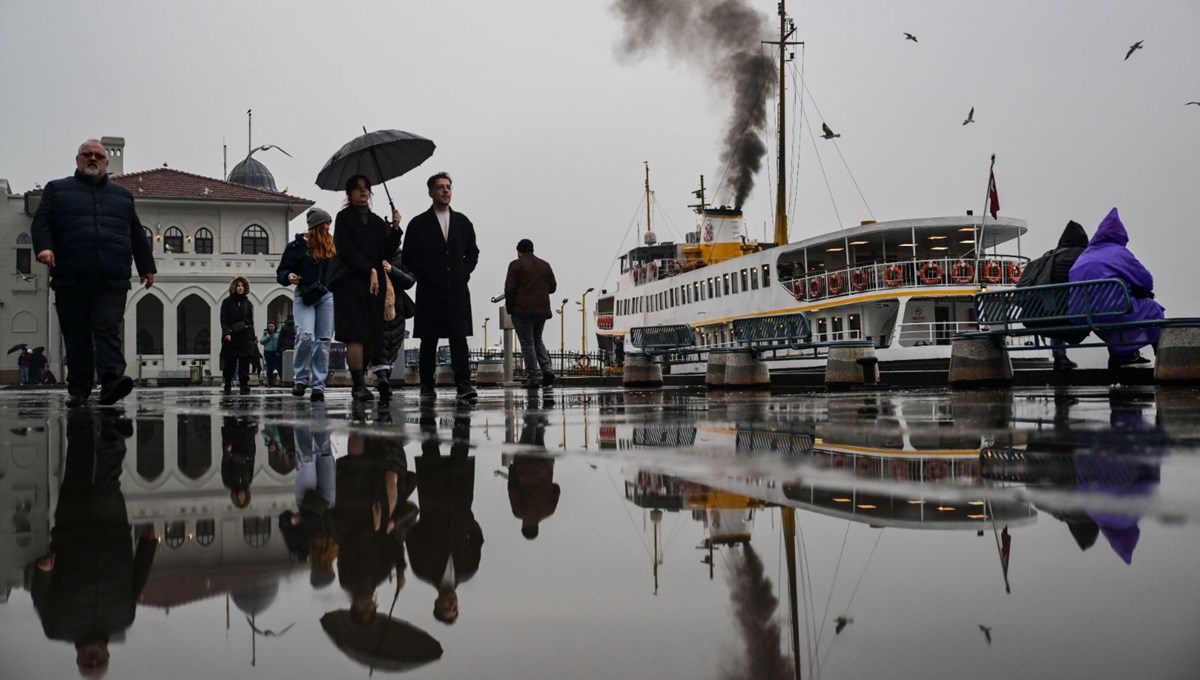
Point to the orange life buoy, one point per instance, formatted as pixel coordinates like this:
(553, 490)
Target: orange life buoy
(584, 362)
(835, 283)
(893, 276)
(865, 467)
(1014, 272)
(653, 271)
(899, 470)
(936, 470)
(992, 271)
(930, 274)
(859, 279)
(815, 287)
(798, 289)
(962, 272)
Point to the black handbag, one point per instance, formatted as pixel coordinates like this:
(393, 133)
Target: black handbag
(405, 307)
(311, 293)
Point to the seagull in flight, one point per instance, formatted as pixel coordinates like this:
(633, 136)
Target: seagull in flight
(842, 622)
(970, 117)
(1190, 103)
(910, 36)
(987, 633)
(1133, 48)
(826, 132)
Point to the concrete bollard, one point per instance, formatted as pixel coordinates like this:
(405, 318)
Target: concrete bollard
(490, 373)
(641, 371)
(980, 362)
(444, 376)
(714, 370)
(412, 376)
(1177, 359)
(743, 370)
(847, 364)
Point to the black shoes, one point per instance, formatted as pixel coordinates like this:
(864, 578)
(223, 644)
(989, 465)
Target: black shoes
(1065, 365)
(531, 383)
(1135, 360)
(228, 389)
(383, 383)
(116, 390)
(317, 395)
(360, 391)
(298, 389)
(547, 379)
(427, 392)
(243, 389)
(77, 400)
(466, 392)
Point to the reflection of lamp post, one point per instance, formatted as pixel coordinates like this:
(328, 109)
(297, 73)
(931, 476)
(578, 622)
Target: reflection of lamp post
(485, 345)
(562, 337)
(583, 318)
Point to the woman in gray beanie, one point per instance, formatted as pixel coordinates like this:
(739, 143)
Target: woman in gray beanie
(305, 264)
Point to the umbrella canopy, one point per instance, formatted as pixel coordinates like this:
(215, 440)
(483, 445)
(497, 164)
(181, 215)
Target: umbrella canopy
(385, 643)
(378, 156)
(17, 348)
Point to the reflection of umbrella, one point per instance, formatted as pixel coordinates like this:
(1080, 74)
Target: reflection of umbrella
(378, 156)
(17, 348)
(385, 642)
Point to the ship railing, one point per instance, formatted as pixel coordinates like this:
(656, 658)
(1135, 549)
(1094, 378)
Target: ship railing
(656, 270)
(1003, 270)
(920, 334)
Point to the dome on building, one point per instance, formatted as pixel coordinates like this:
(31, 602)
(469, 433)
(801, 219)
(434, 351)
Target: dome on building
(251, 173)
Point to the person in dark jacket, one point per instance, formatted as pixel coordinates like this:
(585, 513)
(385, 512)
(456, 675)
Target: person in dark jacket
(1054, 266)
(441, 253)
(87, 232)
(399, 304)
(237, 335)
(238, 440)
(305, 264)
(532, 493)
(287, 334)
(527, 290)
(363, 241)
(86, 588)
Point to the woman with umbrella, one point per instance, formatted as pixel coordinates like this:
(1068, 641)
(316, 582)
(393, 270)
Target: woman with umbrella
(363, 241)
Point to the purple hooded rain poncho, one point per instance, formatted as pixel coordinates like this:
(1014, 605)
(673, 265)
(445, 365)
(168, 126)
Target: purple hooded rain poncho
(1106, 257)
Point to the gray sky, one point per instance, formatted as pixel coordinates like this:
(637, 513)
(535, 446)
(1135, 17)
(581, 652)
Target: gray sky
(545, 128)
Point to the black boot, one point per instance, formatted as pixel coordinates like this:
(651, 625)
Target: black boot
(383, 383)
(360, 391)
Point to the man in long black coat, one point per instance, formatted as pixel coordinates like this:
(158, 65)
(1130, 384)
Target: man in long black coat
(440, 251)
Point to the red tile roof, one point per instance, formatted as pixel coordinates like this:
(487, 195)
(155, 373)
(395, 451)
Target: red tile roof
(171, 183)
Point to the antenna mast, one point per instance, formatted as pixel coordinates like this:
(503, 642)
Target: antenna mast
(786, 28)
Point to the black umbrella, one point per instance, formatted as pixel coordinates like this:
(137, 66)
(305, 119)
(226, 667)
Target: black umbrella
(17, 348)
(378, 156)
(385, 643)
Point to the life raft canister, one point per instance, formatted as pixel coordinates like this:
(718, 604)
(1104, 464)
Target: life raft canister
(962, 272)
(893, 276)
(992, 271)
(930, 274)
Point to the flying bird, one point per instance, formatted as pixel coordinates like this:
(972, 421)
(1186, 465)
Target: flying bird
(826, 132)
(1190, 103)
(987, 633)
(265, 147)
(970, 117)
(842, 622)
(910, 36)
(1133, 48)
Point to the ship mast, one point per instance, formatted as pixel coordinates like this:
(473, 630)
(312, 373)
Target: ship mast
(786, 29)
(647, 164)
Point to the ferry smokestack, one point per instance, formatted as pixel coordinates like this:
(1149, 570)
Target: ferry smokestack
(723, 37)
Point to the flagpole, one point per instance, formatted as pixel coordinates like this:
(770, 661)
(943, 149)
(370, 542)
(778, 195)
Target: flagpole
(983, 217)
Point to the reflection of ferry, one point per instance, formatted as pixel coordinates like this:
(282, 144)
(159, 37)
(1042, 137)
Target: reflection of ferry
(905, 285)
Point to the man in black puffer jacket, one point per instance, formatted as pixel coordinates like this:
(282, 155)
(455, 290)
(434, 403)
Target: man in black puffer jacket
(86, 230)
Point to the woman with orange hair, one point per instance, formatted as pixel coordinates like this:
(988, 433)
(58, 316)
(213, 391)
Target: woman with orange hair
(305, 264)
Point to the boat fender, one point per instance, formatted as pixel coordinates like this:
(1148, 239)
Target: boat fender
(936, 470)
(859, 279)
(815, 287)
(930, 274)
(893, 276)
(992, 271)
(836, 283)
(962, 272)
(1014, 272)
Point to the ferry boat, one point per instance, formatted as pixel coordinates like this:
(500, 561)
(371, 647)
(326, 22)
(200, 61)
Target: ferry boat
(905, 285)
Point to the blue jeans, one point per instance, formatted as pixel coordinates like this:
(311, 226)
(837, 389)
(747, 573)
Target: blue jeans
(533, 350)
(314, 333)
(315, 468)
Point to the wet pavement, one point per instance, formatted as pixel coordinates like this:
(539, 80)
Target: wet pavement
(597, 533)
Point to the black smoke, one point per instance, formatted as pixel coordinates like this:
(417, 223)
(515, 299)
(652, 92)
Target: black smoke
(754, 605)
(722, 37)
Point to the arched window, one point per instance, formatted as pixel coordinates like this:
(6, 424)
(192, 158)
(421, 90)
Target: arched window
(204, 241)
(175, 533)
(256, 531)
(192, 317)
(173, 240)
(149, 325)
(149, 235)
(254, 240)
(194, 444)
(206, 531)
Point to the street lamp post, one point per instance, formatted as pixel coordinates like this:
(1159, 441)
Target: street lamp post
(583, 318)
(485, 343)
(562, 337)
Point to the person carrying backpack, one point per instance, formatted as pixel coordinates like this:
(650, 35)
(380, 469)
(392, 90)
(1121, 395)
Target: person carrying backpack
(1054, 266)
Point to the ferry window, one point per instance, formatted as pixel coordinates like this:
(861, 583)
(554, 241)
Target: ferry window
(766, 275)
(822, 329)
(710, 287)
(745, 276)
(735, 283)
(696, 291)
(726, 277)
(837, 328)
(754, 279)
(854, 324)
(716, 285)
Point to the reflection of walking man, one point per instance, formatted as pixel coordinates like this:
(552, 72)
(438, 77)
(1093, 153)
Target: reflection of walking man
(440, 251)
(86, 230)
(527, 290)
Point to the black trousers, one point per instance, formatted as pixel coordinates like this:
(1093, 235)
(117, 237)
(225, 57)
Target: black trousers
(90, 317)
(458, 360)
(239, 364)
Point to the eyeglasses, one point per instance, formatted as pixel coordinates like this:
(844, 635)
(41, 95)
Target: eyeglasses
(93, 154)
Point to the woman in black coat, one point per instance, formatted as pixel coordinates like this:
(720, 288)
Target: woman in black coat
(237, 335)
(363, 241)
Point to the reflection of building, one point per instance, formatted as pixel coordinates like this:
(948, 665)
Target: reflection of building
(203, 231)
(26, 467)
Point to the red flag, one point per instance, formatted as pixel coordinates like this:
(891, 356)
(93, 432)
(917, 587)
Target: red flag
(993, 197)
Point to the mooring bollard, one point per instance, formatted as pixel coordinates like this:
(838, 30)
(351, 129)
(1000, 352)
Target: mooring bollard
(641, 371)
(980, 362)
(714, 370)
(744, 370)
(847, 365)
(412, 376)
(444, 376)
(1177, 359)
(490, 373)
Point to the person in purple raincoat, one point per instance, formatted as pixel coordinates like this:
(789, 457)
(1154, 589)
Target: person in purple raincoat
(1107, 257)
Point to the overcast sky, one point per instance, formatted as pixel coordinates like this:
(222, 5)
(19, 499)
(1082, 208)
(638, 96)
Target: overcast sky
(545, 127)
